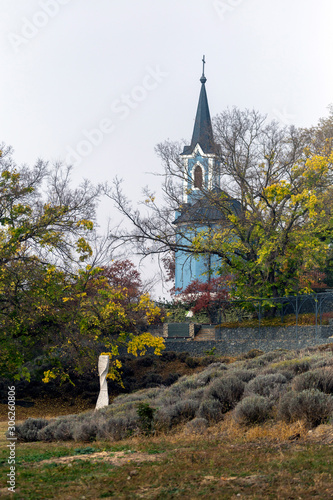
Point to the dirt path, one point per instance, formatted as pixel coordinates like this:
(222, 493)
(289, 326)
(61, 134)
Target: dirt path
(115, 458)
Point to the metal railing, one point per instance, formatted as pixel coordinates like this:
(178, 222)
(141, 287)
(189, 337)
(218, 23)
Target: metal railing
(316, 304)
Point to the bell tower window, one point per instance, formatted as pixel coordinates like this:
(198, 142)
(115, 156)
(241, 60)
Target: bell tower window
(197, 177)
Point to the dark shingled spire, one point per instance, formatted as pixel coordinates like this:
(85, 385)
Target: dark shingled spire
(202, 132)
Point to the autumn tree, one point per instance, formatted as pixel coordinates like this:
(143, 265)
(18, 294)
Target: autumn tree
(54, 304)
(122, 274)
(211, 297)
(282, 179)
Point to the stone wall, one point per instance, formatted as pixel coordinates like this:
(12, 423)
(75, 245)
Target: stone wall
(242, 340)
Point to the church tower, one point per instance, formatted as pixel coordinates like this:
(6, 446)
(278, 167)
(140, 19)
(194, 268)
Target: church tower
(200, 161)
(201, 169)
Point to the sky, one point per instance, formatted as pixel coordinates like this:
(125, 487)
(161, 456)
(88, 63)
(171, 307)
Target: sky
(98, 83)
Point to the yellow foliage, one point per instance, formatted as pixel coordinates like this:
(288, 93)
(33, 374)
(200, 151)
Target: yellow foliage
(151, 311)
(143, 341)
(48, 375)
(87, 224)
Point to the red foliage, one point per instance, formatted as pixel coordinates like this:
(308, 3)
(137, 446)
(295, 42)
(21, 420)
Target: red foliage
(169, 264)
(200, 296)
(123, 274)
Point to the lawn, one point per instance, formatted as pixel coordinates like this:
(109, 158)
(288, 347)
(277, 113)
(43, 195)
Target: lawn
(227, 461)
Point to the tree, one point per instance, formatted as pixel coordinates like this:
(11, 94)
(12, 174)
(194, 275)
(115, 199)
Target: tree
(54, 305)
(40, 215)
(283, 182)
(121, 274)
(211, 297)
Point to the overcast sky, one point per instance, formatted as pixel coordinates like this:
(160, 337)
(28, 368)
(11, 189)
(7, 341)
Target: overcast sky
(100, 82)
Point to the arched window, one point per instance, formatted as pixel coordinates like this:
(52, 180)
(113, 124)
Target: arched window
(198, 177)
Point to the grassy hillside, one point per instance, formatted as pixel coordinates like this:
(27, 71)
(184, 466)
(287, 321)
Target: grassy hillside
(257, 427)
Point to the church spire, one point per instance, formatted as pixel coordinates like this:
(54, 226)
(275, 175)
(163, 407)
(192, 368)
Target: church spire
(203, 131)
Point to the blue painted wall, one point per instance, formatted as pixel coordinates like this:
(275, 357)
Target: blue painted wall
(190, 267)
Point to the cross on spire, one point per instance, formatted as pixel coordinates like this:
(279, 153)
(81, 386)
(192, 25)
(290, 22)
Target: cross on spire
(203, 79)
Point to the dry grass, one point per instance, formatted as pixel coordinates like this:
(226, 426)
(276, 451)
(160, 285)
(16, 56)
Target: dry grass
(274, 460)
(269, 432)
(46, 408)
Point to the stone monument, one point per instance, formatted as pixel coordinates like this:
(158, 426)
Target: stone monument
(103, 368)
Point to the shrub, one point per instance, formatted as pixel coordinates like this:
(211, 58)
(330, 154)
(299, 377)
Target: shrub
(117, 427)
(207, 360)
(183, 384)
(211, 410)
(253, 353)
(151, 379)
(28, 431)
(296, 366)
(128, 370)
(60, 429)
(253, 410)
(186, 409)
(288, 374)
(196, 394)
(85, 431)
(211, 352)
(171, 356)
(323, 362)
(46, 433)
(171, 379)
(214, 371)
(312, 406)
(144, 361)
(318, 379)
(273, 355)
(167, 399)
(146, 416)
(267, 385)
(244, 375)
(141, 395)
(181, 356)
(168, 416)
(217, 365)
(63, 430)
(196, 426)
(191, 362)
(255, 363)
(228, 391)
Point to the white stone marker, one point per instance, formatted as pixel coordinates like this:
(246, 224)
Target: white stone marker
(103, 368)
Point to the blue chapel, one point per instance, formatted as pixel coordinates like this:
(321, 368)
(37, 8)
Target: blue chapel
(201, 173)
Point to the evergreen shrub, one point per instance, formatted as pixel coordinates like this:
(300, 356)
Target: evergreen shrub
(211, 410)
(228, 391)
(312, 406)
(28, 431)
(253, 410)
(321, 379)
(271, 385)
